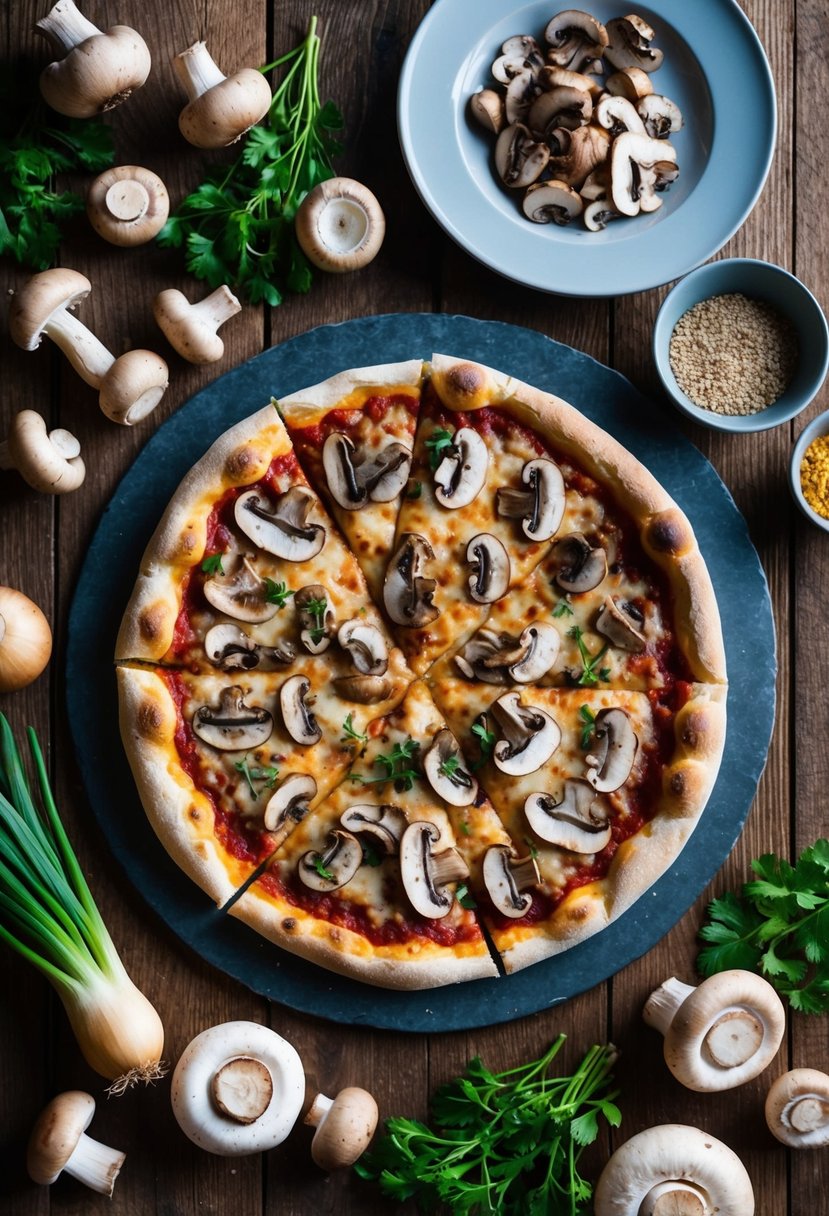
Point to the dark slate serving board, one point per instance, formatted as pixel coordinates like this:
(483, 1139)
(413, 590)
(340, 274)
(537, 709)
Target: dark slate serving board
(110, 568)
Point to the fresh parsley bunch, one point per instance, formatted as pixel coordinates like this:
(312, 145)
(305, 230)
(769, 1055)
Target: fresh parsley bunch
(778, 926)
(505, 1143)
(237, 227)
(35, 145)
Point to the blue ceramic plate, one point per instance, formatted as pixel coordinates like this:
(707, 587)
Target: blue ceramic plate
(715, 69)
(111, 566)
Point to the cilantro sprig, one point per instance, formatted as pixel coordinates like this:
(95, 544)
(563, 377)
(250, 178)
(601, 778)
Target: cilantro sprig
(237, 226)
(588, 724)
(267, 775)
(212, 563)
(562, 608)
(589, 675)
(317, 609)
(399, 766)
(437, 443)
(350, 734)
(277, 593)
(778, 926)
(486, 740)
(506, 1142)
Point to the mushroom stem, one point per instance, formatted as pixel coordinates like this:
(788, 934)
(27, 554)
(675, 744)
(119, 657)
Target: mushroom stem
(197, 70)
(95, 1164)
(662, 1005)
(318, 1109)
(89, 357)
(66, 27)
(242, 1089)
(674, 1199)
(216, 308)
(127, 201)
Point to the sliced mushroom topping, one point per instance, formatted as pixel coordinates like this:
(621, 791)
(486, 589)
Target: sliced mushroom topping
(461, 474)
(529, 736)
(574, 37)
(289, 804)
(577, 822)
(616, 114)
(598, 214)
(519, 54)
(386, 823)
(229, 647)
(407, 595)
(551, 202)
(522, 91)
(631, 83)
(659, 115)
(426, 875)
(562, 106)
(639, 167)
(354, 481)
(609, 766)
(629, 44)
(541, 642)
(506, 876)
(586, 148)
(444, 770)
(621, 622)
(488, 108)
(541, 507)
(519, 160)
(334, 866)
(490, 564)
(580, 567)
(365, 690)
(316, 618)
(366, 646)
(240, 595)
(234, 726)
(300, 722)
(498, 658)
(281, 527)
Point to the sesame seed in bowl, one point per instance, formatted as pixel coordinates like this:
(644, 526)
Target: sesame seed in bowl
(741, 345)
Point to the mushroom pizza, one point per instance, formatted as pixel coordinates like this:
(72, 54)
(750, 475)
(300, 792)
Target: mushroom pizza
(428, 664)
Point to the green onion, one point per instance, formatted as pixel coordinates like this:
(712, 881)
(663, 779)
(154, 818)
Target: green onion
(48, 915)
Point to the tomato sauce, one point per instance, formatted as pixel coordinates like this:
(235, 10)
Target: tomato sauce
(376, 408)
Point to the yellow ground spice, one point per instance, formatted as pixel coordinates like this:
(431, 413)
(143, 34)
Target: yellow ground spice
(814, 475)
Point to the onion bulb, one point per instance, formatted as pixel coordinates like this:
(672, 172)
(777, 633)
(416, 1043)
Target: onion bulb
(25, 640)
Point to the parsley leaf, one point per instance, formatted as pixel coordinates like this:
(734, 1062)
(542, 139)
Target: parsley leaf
(438, 441)
(588, 724)
(321, 868)
(268, 774)
(486, 740)
(212, 564)
(398, 766)
(562, 608)
(277, 593)
(350, 734)
(450, 766)
(465, 897)
(588, 661)
(778, 926)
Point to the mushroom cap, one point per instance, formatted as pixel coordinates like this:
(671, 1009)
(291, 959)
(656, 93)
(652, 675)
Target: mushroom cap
(50, 463)
(194, 1106)
(444, 768)
(507, 877)
(191, 333)
(281, 527)
(340, 225)
(487, 106)
(127, 205)
(616, 744)
(425, 875)
(528, 736)
(97, 74)
(297, 718)
(552, 202)
(133, 387)
(240, 595)
(334, 866)
(461, 473)
(797, 1108)
(694, 1162)
(344, 1127)
(221, 115)
(25, 640)
(365, 645)
(491, 568)
(233, 726)
(572, 823)
(56, 1133)
(36, 302)
(407, 595)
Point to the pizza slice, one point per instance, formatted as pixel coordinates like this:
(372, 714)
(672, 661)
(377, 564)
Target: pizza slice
(354, 435)
(601, 787)
(375, 882)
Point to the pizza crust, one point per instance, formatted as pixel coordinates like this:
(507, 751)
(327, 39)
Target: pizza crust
(309, 405)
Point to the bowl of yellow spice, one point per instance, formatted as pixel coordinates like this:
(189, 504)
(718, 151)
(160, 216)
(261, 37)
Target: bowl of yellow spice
(809, 471)
(741, 345)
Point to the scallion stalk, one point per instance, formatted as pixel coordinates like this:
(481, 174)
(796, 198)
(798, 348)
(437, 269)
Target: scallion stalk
(48, 915)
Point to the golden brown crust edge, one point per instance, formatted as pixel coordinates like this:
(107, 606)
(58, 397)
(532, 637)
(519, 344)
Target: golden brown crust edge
(665, 532)
(308, 405)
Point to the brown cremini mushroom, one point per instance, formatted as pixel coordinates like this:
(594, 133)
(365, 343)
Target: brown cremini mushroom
(25, 640)
(340, 225)
(59, 1144)
(48, 462)
(127, 205)
(220, 108)
(97, 70)
(344, 1127)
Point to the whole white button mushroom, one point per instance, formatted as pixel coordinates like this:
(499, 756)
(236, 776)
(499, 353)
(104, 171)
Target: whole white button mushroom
(58, 1144)
(720, 1034)
(674, 1170)
(797, 1108)
(48, 462)
(127, 205)
(344, 1127)
(340, 225)
(25, 640)
(191, 328)
(220, 108)
(238, 1089)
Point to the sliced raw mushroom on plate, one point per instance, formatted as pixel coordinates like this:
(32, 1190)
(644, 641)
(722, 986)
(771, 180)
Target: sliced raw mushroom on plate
(461, 473)
(365, 645)
(407, 595)
(629, 44)
(490, 565)
(520, 53)
(316, 618)
(552, 77)
(660, 116)
(617, 115)
(621, 622)
(509, 880)
(598, 214)
(230, 648)
(444, 768)
(528, 736)
(333, 866)
(297, 715)
(540, 507)
(631, 83)
(288, 805)
(577, 822)
(521, 92)
(487, 107)
(581, 566)
(797, 1108)
(640, 168)
(575, 39)
(386, 823)
(581, 151)
(426, 875)
(280, 527)
(519, 158)
(552, 202)
(609, 765)
(233, 726)
(562, 106)
(240, 595)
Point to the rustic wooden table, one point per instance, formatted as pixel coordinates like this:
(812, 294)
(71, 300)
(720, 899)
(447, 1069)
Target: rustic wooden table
(43, 541)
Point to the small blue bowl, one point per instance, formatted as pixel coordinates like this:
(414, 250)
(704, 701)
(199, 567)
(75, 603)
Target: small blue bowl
(760, 281)
(817, 427)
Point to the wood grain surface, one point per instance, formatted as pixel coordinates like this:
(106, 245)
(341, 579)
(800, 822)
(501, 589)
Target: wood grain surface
(43, 541)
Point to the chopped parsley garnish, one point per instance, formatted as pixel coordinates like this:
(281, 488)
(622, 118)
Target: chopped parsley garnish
(415, 489)
(212, 564)
(277, 593)
(588, 661)
(350, 734)
(437, 443)
(317, 609)
(267, 774)
(464, 897)
(449, 766)
(588, 719)
(398, 766)
(486, 742)
(562, 608)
